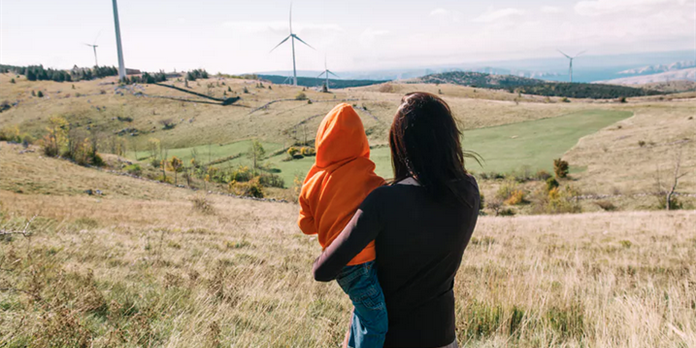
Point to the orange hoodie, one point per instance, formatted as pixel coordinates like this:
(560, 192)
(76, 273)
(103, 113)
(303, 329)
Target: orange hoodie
(340, 179)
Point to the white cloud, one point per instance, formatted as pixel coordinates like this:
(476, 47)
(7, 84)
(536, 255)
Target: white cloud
(445, 15)
(439, 12)
(604, 7)
(369, 36)
(551, 9)
(495, 15)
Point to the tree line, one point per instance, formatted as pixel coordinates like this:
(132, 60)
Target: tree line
(39, 73)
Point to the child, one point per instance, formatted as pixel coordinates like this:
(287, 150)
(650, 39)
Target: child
(340, 179)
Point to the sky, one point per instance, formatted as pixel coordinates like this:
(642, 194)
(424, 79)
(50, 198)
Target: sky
(357, 35)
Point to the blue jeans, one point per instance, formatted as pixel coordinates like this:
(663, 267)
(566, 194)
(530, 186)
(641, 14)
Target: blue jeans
(369, 323)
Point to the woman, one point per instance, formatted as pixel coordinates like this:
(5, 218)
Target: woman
(421, 225)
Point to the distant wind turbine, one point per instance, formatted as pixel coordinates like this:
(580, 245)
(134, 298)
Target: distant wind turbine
(326, 72)
(292, 38)
(570, 66)
(94, 47)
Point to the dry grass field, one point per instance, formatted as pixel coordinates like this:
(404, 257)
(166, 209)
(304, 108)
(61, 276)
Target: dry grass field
(150, 265)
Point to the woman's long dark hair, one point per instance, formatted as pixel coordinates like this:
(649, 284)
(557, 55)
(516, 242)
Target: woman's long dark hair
(424, 142)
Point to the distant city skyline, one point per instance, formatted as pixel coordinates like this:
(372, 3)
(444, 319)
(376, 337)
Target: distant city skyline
(236, 37)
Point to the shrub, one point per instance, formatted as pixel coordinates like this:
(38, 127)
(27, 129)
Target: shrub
(307, 151)
(12, 80)
(167, 123)
(507, 212)
(551, 183)
(606, 205)
(565, 100)
(134, 169)
(292, 151)
(240, 174)
(301, 96)
(245, 90)
(641, 143)
(506, 189)
(562, 200)
(40, 94)
(125, 118)
(516, 197)
(482, 202)
(203, 205)
(674, 204)
(622, 100)
(271, 180)
(252, 188)
(542, 175)
(560, 168)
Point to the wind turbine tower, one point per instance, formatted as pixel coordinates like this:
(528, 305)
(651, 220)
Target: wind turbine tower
(327, 72)
(292, 38)
(570, 66)
(121, 65)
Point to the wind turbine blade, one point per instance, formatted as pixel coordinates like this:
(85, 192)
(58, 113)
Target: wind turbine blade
(282, 42)
(290, 18)
(331, 72)
(567, 56)
(86, 44)
(322, 73)
(581, 52)
(302, 41)
(96, 37)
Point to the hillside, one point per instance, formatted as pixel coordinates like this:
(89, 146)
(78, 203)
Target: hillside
(667, 76)
(502, 126)
(533, 86)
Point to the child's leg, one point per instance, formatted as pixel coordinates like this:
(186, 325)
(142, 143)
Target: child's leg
(369, 323)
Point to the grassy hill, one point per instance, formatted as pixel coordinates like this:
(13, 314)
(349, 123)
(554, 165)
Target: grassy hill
(274, 115)
(142, 266)
(534, 86)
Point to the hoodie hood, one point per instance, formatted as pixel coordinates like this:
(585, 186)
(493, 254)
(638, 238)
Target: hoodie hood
(341, 137)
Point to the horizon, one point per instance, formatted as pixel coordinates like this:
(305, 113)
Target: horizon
(189, 36)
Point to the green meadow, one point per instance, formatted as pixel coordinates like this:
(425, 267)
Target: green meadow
(502, 149)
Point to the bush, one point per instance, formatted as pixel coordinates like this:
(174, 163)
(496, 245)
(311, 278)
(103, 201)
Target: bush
(292, 151)
(252, 188)
(307, 151)
(606, 205)
(203, 205)
(551, 183)
(12, 80)
(134, 169)
(301, 96)
(271, 180)
(560, 168)
(674, 204)
(641, 143)
(542, 175)
(506, 189)
(516, 197)
(40, 94)
(558, 201)
(507, 212)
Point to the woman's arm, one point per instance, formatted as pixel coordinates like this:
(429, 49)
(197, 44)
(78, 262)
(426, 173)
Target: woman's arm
(360, 231)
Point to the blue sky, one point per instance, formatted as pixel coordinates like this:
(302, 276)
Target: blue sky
(236, 36)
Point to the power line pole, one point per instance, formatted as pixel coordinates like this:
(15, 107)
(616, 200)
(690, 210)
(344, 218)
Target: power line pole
(121, 65)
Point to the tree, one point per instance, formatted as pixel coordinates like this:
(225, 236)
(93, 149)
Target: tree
(495, 204)
(40, 94)
(669, 191)
(255, 154)
(560, 168)
(175, 165)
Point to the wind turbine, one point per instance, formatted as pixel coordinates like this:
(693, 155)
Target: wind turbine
(570, 67)
(327, 72)
(121, 65)
(292, 38)
(94, 47)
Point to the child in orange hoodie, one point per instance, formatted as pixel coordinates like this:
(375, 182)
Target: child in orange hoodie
(340, 179)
